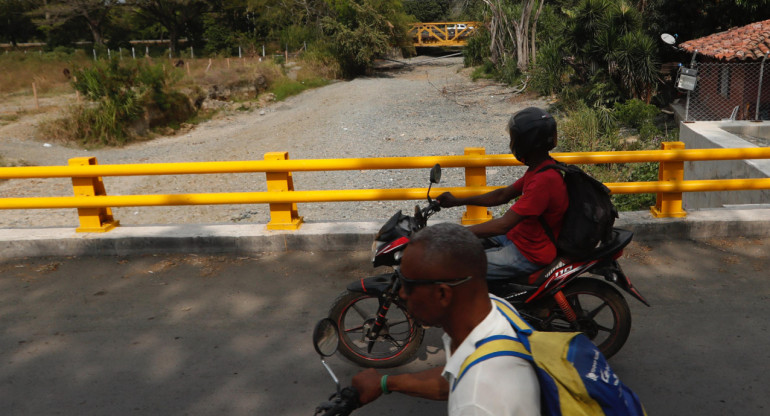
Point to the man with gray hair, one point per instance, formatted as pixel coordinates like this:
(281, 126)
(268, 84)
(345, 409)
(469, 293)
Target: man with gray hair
(443, 283)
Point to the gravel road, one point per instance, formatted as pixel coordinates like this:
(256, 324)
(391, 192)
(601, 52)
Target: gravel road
(427, 108)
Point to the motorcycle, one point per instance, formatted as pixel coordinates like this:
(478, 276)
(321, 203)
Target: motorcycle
(343, 401)
(376, 329)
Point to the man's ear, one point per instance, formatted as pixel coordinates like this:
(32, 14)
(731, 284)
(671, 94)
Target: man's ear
(444, 295)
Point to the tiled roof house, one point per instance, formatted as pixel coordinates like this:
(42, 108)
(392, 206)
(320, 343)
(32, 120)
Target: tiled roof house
(729, 65)
(750, 42)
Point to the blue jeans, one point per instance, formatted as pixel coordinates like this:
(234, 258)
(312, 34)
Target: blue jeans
(506, 261)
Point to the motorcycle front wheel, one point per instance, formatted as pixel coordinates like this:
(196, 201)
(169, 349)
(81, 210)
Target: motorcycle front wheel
(602, 314)
(398, 341)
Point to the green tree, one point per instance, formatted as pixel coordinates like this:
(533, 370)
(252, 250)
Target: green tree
(427, 10)
(95, 13)
(15, 23)
(612, 51)
(513, 25)
(361, 30)
(177, 17)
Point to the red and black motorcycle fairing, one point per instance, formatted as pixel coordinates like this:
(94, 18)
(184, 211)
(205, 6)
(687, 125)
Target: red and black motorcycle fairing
(562, 271)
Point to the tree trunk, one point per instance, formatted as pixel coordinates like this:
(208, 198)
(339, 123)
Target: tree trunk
(96, 30)
(173, 38)
(522, 35)
(534, 31)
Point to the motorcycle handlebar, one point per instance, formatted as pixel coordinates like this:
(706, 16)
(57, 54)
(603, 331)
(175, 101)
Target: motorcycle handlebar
(421, 215)
(339, 405)
(432, 208)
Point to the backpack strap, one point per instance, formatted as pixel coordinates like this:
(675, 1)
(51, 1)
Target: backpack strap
(501, 345)
(494, 346)
(547, 228)
(517, 322)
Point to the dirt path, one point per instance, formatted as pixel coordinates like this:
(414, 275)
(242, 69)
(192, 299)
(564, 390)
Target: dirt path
(425, 109)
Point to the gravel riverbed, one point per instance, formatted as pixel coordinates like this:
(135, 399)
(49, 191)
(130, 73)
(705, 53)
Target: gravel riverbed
(430, 107)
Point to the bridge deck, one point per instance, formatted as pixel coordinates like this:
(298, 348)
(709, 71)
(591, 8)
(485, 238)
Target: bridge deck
(438, 34)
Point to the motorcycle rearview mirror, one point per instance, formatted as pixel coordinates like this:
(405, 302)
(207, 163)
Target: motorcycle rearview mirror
(326, 337)
(326, 340)
(435, 177)
(435, 173)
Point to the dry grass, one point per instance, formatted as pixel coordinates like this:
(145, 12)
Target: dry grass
(240, 77)
(45, 70)
(224, 71)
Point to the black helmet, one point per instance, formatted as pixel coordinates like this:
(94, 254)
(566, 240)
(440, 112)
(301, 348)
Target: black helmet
(531, 129)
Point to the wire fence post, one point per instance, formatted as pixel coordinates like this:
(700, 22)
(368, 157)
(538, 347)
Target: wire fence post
(34, 92)
(759, 90)
(687, 105)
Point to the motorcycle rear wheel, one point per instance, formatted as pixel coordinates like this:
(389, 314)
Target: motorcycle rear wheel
(602, 314)
(397, 342)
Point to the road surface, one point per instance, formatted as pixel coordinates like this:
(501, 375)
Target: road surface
(230, 335)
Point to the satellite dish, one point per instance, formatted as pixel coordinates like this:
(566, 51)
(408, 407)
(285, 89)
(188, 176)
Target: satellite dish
(669, 39)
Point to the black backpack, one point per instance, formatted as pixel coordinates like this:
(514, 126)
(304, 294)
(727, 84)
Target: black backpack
(589, 218)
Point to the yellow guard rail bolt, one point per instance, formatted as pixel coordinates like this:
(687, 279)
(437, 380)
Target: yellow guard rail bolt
(669, 204)
(475, 177)
(283, 216)
(92, 220)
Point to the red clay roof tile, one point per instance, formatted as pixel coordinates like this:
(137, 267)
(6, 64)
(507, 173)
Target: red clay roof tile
(748, 42)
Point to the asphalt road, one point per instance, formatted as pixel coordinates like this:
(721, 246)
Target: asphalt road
(227, 335)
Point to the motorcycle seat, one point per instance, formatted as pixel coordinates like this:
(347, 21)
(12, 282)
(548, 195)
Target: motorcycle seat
(620, 239)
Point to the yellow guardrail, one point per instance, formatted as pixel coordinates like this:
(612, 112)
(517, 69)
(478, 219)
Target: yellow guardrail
(94, 205)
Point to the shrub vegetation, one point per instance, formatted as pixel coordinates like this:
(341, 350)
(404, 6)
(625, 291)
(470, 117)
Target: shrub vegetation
(123, 101)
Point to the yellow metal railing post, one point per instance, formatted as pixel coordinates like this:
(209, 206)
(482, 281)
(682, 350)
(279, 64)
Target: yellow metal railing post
(92, 220)
(669, 204)
(283, 216)
(475, 177)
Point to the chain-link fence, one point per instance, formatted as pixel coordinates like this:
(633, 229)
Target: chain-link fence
(730, 91)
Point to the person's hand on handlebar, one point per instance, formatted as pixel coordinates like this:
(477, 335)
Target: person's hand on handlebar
(447, 200)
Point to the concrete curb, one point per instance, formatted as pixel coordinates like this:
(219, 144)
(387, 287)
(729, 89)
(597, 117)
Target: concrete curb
(250, 238)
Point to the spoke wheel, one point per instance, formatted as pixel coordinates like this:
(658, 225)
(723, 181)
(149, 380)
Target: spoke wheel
(397, 343)
(602, 314)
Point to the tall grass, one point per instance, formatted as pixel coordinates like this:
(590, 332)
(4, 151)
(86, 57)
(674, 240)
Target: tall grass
(586, 129)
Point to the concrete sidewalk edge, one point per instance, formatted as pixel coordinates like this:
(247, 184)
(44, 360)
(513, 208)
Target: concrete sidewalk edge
(342, 236)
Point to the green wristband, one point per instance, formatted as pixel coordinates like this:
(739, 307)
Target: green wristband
(384, 384)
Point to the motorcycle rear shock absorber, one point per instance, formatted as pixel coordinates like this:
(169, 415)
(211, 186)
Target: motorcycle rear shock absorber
(565, 306)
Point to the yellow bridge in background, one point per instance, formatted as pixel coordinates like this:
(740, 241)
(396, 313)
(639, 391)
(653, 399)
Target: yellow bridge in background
(442, 33)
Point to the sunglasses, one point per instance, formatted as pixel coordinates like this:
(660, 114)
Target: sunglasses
(408, 284)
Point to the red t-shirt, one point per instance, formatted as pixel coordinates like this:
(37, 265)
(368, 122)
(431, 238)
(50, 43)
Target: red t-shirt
(543, 194)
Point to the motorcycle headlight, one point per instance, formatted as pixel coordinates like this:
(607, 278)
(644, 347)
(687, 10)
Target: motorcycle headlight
(375, 246)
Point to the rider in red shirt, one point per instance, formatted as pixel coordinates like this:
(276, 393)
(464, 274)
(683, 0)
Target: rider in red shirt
(521, 244)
